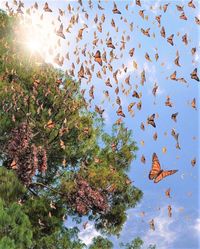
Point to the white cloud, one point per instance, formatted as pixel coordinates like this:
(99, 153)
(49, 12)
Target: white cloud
(163, 236)
(130, 69)
(197, 226)
(88, 234)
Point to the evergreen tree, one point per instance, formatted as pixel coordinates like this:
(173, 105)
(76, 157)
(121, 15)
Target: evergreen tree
(66, 164)
(101, 243)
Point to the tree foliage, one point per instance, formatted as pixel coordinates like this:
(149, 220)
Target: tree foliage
(101, 243)
(67, 165)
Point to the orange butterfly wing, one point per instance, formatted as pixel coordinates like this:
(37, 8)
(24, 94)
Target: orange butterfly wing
(155, 170)
(164, 174)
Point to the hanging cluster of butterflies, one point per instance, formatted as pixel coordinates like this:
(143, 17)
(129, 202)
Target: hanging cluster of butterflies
(101, 39)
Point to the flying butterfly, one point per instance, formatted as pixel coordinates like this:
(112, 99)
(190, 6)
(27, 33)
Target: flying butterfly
(143, 159)
(191, 4)
(183, 16)
(170, 39)
(46, 8)
(169, 211)
(59, 32)
(152, 225)
(193, 162)
(120, 112)
(110, 44)
(168, 193)
(145, 32)
(115, 9)
(97, 57)
(174, 116)
(194, 75)
(165, 7)
(197, 20)
(156, 173)
(150, 120)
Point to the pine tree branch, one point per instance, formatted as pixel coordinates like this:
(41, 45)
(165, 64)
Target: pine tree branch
(45, 186)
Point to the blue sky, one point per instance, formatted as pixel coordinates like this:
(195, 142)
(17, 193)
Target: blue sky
(182, 229)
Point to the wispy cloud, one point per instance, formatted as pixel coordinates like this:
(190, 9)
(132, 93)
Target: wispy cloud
(197, 226)
(88, 234)
(163, 236)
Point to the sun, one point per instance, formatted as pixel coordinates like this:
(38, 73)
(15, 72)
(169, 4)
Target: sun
(33, 45)
(38, 37)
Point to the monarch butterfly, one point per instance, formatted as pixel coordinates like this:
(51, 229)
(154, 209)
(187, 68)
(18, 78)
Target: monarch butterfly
(162, 32)
(197, 20)
(81, 72)
(115, 76)
(170, 39)
(173, 116)
(118, 121)
(145, 32)
(156, 173)
(173, 76)
(155, 136)
(143, 159)
(193, 51)
(35, 5)
(193, 103)
(99, 110)
(130, 106)
(127, 80)
(139, 105)
(184, 39)
(131, 52)
(80, 33)
(137, 2)
(115, 9)
(194, 75)
(178, 145)
(61, 12)
(168, 102)
(103, 18)
(142, 127)
(120, 112)
(193, 162)
(135, 94)
(150, 120)
(113, 23)
(141, 13)
(152, 225)
(91, 92)
(174, 134)
(85, 225)
(13, 165)
(98, 74)
(154, 90)
(97, 57)
(191, 5)
(158, 18)
(143, 78)
(165, 7)
(156, 56)
(108, 82)
(59, 32)
(147, 57)
(100, 7)
(110, 44)
(179, 8)
(168, 193)
(50, 124)
(183, 16)
(169, 211)
(46, 8)
(117, 90)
